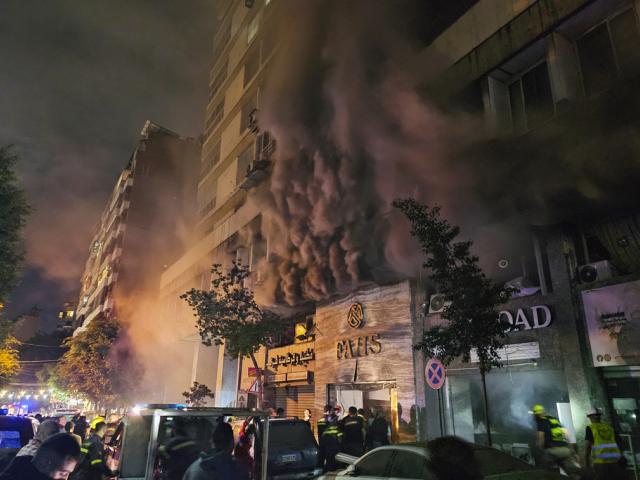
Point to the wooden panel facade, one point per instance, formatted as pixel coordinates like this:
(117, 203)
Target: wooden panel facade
(364, 339)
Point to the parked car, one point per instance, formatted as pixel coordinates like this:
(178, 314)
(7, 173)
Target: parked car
(409, 461)
(15, 433)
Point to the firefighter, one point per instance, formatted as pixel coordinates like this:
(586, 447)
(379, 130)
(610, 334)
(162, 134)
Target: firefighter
(551, 438)
(330, 439)
(353, 428)
(602, 450)
(92, 465)
(176, 455)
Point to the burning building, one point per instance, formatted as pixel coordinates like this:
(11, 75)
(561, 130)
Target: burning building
(139, 232)
(520, 119)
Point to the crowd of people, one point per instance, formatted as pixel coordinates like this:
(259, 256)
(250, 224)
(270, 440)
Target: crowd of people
(356, 433)
(67, 449)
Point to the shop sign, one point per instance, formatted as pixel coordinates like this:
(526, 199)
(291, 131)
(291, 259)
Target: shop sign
(613, 321)
(295, 359)
(253, 371)
(513, 352)
(355, 317)
(242, 399)
(538, 316)
(359, 346)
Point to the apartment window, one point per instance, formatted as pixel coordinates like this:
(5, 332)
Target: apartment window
(269, 40)
(609, 50)
(252, 29)
(215, 118)
(245, 159)
(531, 99)
(218, 81)
(251, 65)
(222, 41)
(247, 115)
(212, 158)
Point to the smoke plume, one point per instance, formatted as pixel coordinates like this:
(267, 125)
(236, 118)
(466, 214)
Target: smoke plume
(353, 134)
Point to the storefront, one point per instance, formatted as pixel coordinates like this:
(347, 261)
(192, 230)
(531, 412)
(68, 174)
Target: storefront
(612, 316)
(537, 369)
(289, 378)
(364, 356)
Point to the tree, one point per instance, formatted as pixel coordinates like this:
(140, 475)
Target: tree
(228, 315)
(13, 212)
(197, 394)
(9, 353)
(91, 368)
(472, 314)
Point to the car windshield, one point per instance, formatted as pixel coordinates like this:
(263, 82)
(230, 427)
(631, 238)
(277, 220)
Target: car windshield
(290, 435)
(493, 462)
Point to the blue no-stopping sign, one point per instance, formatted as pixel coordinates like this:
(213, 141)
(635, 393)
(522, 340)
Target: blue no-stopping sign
(435, 374)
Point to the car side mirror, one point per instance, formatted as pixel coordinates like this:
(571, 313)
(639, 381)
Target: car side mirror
(351, 471)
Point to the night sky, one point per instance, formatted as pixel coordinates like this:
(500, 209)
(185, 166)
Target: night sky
(78, 79)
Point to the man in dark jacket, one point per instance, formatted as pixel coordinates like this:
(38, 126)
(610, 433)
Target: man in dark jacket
(55, 460)
(218, 465)
(377, 434)
(93, 466)
(82, 426)
(352, 427)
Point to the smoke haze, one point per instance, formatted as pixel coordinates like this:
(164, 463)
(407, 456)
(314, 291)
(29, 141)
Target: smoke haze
(353, 134)
(78, 83)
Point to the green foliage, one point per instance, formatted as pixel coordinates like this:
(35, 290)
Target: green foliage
(9, 359)
(228, 314)
(197, 394)
(92, 368)
(48, 375)
(472, 316)
(13, 212)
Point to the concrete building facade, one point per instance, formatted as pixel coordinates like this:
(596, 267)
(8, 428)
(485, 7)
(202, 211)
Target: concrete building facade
(548, 75)
(538, 72)
(139, 231)
(233, 151)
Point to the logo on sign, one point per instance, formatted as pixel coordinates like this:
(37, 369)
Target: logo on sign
(356, 315)
(435, 374)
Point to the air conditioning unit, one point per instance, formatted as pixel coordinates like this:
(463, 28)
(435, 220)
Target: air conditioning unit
(595, 272)
(437, 303)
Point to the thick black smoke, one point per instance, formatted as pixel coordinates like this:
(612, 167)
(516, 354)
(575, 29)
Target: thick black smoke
(353, 134)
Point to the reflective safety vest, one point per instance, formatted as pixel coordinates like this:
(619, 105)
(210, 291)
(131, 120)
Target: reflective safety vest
(605, 449)
(331, 435)
(556, 430)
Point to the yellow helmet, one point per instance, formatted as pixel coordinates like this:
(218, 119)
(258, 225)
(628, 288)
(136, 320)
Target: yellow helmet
(537, 409)
(96, 421)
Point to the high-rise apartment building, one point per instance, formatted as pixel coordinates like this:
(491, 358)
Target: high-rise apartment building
(139, 231)
(554, 81)
(234, 154)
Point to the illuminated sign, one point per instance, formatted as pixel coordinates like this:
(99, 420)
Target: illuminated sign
(538, 316)
(292, 359)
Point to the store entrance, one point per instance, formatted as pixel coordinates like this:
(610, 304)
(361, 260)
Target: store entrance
(381, 396)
